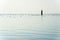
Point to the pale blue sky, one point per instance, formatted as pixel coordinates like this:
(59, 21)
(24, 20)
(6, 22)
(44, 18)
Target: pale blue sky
(29, 6)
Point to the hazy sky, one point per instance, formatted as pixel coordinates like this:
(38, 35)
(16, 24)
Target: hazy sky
(29, 6)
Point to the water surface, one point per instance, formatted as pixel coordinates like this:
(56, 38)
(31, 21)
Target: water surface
(30, 27)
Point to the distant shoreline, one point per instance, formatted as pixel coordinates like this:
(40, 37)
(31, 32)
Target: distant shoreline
(29, 14)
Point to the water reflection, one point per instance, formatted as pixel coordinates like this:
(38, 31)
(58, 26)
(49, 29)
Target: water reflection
(17, 27)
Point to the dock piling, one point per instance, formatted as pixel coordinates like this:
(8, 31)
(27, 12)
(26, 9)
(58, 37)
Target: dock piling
(41, 12)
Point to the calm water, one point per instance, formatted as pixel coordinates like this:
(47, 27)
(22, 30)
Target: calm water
(30, 27)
